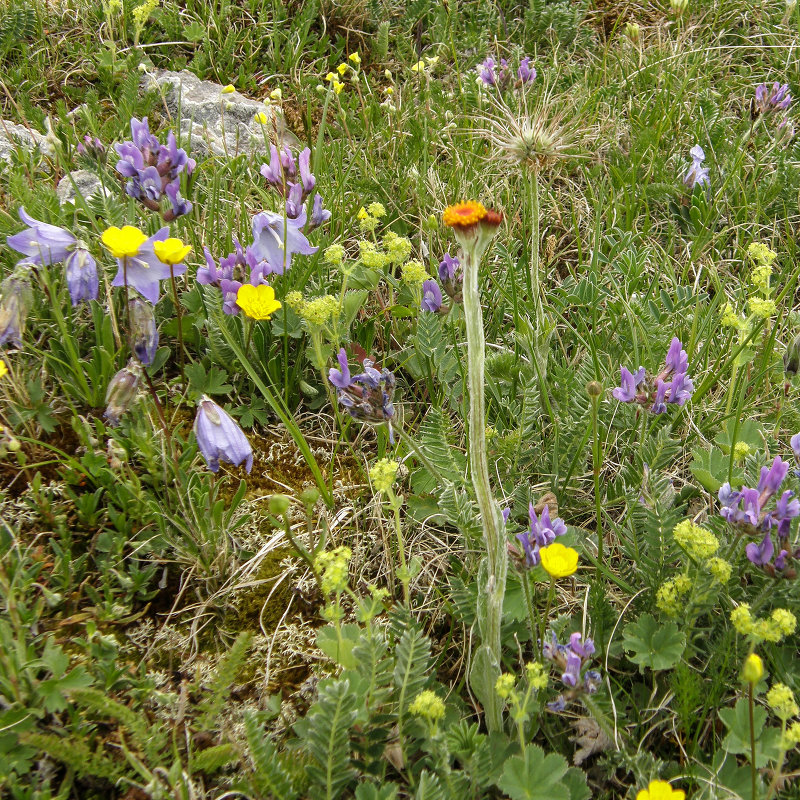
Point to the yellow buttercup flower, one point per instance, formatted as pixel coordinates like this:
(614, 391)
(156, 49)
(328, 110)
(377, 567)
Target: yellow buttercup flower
(171, 251)
(258, 302)
(559, 561)
(123, 242)
(3, 368)
(660, 790)
(330, 77)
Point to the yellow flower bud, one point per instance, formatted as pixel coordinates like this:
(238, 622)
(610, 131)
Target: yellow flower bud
(753, 670)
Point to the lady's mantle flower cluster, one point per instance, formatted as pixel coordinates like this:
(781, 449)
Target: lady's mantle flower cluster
(153, 170)
(760, 303)
(780, 624)
(658, 391)
(493, 74)
(747, 509)
(572, 660)
(366, 397)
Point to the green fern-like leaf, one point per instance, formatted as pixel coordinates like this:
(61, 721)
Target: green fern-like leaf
(213, 759)
(226, 673)
(269, 778)
(326, 736)
(461, 512)
(76, 754)
(412, 654)
(434, 439)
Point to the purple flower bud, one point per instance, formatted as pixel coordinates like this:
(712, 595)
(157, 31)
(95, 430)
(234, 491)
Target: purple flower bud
(340, 377)
(772, 478)
(16, 299)
(273, 172)
(220, 438)
(319, 214)
(41, 242)
(81, 273)
(144, 333)
(431, 296)
(659, 407)
(122, 391)
(307, 180)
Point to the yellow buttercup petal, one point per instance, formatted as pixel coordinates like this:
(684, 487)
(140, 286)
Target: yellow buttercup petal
(559, 561)
(257, 302)
(171, 251)
(3, 368)
(123, 242)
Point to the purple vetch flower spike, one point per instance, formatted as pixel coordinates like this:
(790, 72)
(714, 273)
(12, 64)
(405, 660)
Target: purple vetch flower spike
(681, 389)
(761, 554)
(585, 649)
(772, 478)
(626, 391)
(144, 333)
(340, 377)
(41, 242)
(220, 438)
(81, 274)
(319, 214)
(180, 206)
(572, 673)
(526, 73)
(676, 360)
(659, 406)
(307, 180)
(431, 296)
(486, 72)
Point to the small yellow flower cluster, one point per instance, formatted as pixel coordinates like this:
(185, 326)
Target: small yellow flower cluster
(371, 257)
(696, 541)
(792, 736)
(762, 308)
(414, 273)
(428, 705)
(781, 700)
(720, 569)
(294, 300)
(334, 567)
(366, 222)
(397, 247)
(740, 451)
(335, 83)
(423, 66)
(504, 686)
(761, 254)
(730, 319)
(760, 276)
(670, 594)
(319, 310)
(383, 474)
(537, 675)
(334, 255)
(780, 624)
(142, 13)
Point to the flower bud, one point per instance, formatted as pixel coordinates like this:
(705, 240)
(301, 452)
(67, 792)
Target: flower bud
(633, 31)
(144, 334)
(81, 274)
(791, 358)
(753, 670)
(278, 504)
(122, 391)
(594, 389)
(16, 299)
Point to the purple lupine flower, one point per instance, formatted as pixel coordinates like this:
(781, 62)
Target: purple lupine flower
(366, 397)
(144, 333)
(340, 378)
(219, 438)
(572, 673)
(153, 170)
(697, 174)
(626, 391)
(571, 660)
(659, 406)
(526, 73)
(122, 391)
(794, 443)
(761, 554)
(16, 299)
(431, 296)
(277, 238)
(81, 274)
(145, 271)
(777, 99)
(681, 389)
(319, 214)
(41, 242)
(772, 478)
(676, 360)
(451, 277)
(584, 650)
(486, 72)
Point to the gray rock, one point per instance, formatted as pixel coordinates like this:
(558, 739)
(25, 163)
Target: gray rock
(14, 137)
(212, 123)
(86, 182)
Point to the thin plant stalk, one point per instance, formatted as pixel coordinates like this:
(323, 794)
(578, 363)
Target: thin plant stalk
(396, 503)
(597, 460)
(753, 771)
(179, 315)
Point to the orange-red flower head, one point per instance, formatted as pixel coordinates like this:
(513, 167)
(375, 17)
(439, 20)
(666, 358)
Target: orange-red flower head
(464, 215)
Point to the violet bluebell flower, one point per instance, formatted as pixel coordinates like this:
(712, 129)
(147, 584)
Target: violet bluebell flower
(16, 299)
(122, 391)
(525, 72)
(145, 271)
(81, 274)
(366, 397)
(697, 174)
(41, 242)
(486, 72)
(219, 437)
(431, 296)
(153, 170)
(277, 238)
(143, 333)
(776, 99)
